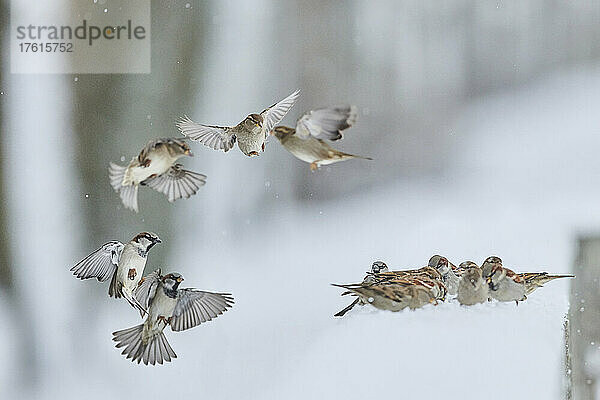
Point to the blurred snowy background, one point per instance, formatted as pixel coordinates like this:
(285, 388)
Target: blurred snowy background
(482, 119)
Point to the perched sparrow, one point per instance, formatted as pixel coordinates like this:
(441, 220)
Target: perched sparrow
(448, 271)
(124, 264)
(167, 305)
(463, 266)
(377, 268)
(393, 296)
(407, 286)
(489, 264)
(427, 273)
(472, 288)
(506, 285)
(155, 167)
(306, 141)
(250, 134)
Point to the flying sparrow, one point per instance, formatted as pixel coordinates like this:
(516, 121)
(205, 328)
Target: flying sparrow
(181, 309)
(377, 268)
(155, 167)
(306, 140)
(250, 134)
(506, 285)
(123, 263)
(472, 288)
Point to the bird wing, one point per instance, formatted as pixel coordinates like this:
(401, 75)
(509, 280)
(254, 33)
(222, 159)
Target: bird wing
(101, 264)
(215, 137)
(274, 114)
(177, 183)
(146, 289)
(195, 307)
(326, 123)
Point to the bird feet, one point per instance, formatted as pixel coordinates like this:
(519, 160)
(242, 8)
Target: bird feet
(314, 166)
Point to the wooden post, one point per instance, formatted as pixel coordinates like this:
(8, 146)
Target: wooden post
(584, 321)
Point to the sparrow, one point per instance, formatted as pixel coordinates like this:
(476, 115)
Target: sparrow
(449, 272)
(377, 268)
(306, 142)
(394, 296)
(507, 285)
(167, 305)
(123, 263)
(488, 264)
(408, 284)
(155, 167)
(472, 288)
(463, 266)
(250, 134)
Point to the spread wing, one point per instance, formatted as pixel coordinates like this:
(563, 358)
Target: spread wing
(177, 183)
(326, 123)
(195, 307)
(101, 264)
(274, 114)
(215, 137)
(146, 289)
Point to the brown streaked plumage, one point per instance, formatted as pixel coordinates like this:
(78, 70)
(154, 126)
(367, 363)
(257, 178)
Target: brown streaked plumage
(507, 285)
(472, 288)
(155, 167)
(394, 296)
(376, 268)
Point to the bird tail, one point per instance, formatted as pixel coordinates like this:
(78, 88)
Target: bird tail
(128, 193)
(151, 350)
(353, 289)
(347, 155)
(536, 280)
(114, 289)
(348, 308)
(349, 287)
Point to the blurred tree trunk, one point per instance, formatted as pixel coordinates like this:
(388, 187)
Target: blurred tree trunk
(115, 115)
(6, 275)
(26, 364)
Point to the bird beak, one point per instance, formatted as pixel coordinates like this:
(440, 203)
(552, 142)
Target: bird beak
(188, 152)
(179, 280)
(158, 240)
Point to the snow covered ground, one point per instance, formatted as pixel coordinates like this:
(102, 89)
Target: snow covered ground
(521, 185)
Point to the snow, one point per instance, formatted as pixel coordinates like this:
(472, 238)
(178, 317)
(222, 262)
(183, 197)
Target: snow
(521, 161)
